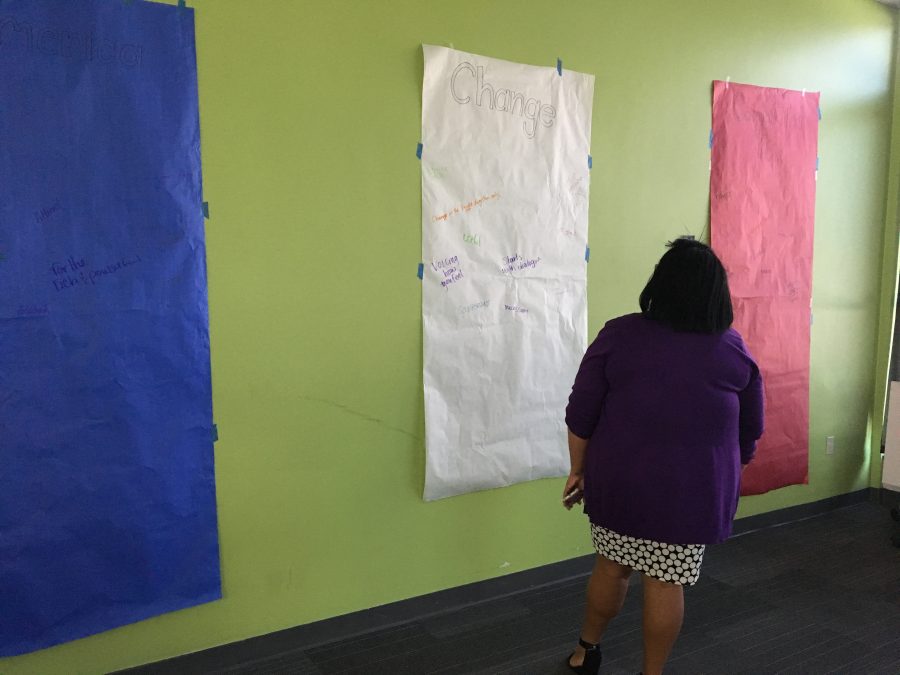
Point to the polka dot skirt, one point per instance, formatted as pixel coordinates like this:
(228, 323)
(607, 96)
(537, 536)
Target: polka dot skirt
(674, 563)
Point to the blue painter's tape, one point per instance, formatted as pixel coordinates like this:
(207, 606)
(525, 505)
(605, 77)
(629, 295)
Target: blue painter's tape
(559, 66)
(820, 112)
(587, 254)
(419, 151)
(215, 433)
(590, 162)
(421, 272)
(205, 207)
(710, 138)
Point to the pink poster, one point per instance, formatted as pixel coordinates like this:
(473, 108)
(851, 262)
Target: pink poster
(762, 195)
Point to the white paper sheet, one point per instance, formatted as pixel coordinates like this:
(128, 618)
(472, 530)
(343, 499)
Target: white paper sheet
(505, 184)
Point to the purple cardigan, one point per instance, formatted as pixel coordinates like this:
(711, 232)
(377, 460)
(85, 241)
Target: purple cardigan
(671, 416)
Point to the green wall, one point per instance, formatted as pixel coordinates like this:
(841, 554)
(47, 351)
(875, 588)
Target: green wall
(310, 119)
(888, 299)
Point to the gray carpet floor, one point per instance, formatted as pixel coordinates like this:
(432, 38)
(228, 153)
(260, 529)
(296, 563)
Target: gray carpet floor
(816, 596)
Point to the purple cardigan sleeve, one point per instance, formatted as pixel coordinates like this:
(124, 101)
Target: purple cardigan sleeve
(751, 401)
(589, 390)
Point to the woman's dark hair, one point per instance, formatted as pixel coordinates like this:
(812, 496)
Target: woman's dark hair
(689, 289)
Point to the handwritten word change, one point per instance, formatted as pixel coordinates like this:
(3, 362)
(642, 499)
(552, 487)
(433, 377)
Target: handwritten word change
(517, 263)
(63, 43)
(76, 272)
(467, 79)
(465, 208)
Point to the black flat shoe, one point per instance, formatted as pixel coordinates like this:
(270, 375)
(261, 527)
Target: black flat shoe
(592, 659)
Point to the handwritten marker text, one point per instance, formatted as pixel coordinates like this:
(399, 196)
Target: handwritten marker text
(464, 208)
(45, 214)
(75, 273)
(517, 263)
(33, 310)
(465, 309)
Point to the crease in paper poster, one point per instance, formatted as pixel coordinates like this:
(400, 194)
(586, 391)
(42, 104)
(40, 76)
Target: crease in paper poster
(504, 232)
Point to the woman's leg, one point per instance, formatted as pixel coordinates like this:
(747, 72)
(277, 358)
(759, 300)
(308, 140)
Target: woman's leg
(663, 614)
(605, 595)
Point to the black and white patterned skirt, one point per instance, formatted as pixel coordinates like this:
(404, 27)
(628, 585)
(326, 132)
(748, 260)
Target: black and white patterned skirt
(674, 563)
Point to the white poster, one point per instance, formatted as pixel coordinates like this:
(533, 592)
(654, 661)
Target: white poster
(505, 179)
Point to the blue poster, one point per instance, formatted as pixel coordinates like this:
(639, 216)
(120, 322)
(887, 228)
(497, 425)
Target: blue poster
(107, 491)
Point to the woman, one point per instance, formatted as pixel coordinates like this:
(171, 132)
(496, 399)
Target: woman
(666, 408)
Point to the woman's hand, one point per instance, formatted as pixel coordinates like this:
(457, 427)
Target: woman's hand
(574, 490)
